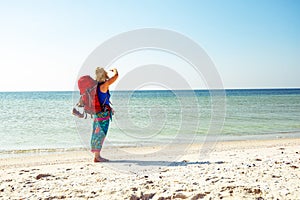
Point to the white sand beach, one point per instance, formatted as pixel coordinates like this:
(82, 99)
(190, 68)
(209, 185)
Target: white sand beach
(263, 169)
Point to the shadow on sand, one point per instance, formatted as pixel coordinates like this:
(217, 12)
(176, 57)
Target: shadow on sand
(163, 163)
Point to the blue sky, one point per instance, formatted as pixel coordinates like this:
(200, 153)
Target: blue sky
(253, 43)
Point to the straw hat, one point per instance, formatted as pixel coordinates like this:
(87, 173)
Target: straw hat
(101, 74)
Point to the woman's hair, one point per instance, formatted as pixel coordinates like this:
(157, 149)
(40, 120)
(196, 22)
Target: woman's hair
(101, 74)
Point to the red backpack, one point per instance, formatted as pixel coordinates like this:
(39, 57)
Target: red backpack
(88, 97)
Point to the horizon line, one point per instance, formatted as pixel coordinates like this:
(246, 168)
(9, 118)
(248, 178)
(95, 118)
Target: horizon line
(263, 88)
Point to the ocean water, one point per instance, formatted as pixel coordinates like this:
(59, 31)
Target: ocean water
(42, 121)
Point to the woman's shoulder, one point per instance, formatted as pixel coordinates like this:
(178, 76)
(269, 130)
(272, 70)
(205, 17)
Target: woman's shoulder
(103, 86)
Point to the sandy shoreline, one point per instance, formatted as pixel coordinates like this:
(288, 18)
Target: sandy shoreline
(263, 169)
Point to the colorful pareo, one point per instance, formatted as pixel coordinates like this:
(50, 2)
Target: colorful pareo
(100, 128)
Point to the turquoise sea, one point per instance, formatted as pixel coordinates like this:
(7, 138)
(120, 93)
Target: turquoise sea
(42, 121)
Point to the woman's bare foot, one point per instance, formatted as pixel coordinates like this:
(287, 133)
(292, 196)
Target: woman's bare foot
(100, 159)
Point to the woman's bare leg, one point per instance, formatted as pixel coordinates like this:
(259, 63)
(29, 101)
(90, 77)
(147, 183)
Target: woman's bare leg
(97, 155)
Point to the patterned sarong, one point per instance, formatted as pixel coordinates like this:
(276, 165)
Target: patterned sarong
(100, 128)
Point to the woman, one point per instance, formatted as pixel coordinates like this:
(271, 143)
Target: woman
(101, 119)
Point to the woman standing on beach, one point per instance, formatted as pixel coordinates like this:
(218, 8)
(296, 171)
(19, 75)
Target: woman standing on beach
(101, 119)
